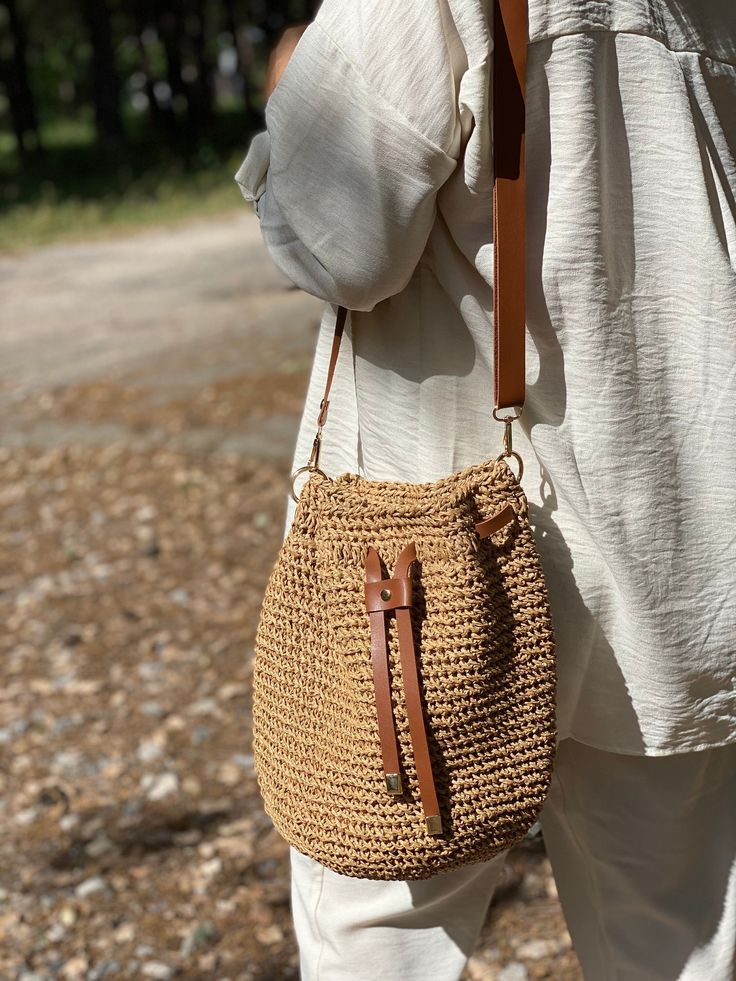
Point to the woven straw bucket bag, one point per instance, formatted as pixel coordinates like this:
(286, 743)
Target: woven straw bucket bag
(404, 682)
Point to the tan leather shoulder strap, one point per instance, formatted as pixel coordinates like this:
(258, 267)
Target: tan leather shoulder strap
(342, 316)
(510, 36)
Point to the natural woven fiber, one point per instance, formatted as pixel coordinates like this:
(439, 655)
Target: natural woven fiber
(485, 651)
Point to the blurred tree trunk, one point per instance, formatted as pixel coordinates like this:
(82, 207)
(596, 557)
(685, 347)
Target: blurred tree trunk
(244, 51)
(14, 71)
(154, 109)
(144, 19)
(171, 30)
(272, 16)
(105, 79)
(203, 89)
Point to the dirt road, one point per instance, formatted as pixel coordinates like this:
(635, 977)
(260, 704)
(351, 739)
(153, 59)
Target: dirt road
(167, 312)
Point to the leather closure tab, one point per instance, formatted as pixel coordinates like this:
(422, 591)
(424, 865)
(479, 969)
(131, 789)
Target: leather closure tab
(493, 524)
(388, 594)
(383, 596)
(417, 728)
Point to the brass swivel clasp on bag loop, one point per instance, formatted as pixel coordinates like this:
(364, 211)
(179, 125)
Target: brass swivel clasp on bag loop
(508, 439)
(311, 467)
(313, 464)
(316, 451)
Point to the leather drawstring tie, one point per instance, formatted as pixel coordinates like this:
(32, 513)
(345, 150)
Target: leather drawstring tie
(381, 597)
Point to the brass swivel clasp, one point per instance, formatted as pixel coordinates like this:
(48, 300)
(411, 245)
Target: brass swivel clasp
(314, 457)
(316, 451)
(508, 439)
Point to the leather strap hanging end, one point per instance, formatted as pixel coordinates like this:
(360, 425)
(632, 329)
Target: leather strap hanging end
(414, 711)
(381, 677)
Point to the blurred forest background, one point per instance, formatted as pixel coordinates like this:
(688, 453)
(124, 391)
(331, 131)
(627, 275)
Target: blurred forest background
(117, 113)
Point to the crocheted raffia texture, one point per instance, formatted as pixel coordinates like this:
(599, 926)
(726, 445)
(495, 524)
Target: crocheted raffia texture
(485, 651)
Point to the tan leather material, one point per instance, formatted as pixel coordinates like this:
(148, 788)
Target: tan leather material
(388, 594)
(342, 316)
(414, 710)
(417, 728)
(510, 35)
(381, 676)
(404, 561)
(377, 607)
(493, 524)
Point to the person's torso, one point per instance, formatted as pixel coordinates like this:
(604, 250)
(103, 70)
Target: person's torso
(627, 431)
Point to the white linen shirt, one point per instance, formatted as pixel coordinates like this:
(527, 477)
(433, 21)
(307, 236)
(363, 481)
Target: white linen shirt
(373, 187)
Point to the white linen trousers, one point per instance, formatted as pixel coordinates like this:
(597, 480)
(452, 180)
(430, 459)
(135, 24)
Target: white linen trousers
(643, 851)
(373, 187)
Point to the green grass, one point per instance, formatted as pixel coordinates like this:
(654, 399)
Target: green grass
(81, 191)
(52, 218)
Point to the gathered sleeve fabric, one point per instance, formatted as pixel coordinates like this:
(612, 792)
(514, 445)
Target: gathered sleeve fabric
(359, 141)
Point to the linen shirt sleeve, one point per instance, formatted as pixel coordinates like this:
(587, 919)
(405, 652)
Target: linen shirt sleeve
(362, 132)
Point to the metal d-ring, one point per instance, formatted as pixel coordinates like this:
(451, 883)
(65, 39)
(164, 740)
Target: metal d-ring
(505, 456)
(299, 472)
(507, 417)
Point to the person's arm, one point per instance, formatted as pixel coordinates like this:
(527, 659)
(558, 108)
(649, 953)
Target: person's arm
(362, 131)
(281, 56)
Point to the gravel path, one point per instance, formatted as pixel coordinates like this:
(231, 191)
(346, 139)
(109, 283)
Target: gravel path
(169, 311)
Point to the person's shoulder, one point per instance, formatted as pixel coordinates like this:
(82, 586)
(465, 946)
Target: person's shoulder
(365, 28)
(402, 54)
